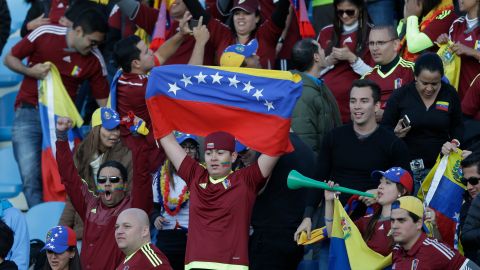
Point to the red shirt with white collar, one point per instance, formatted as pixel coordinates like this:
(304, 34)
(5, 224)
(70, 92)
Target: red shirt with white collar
(427, 254)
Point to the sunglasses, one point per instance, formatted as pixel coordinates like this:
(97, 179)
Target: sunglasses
(112, 179)
(349, 12)
(472, 180)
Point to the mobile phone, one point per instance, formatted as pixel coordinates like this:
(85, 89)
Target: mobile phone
(405, 122)
(192, 23)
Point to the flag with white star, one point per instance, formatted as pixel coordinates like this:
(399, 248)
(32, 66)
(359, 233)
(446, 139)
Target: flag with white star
(442, 190)
(254, 105)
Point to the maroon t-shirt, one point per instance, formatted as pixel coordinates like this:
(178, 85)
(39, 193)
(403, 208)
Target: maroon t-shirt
(379, 242)
(427, 254)
(267, 36)
(48, 43)
(131, 89)
(219, 214)
(339, 79)
(470, 66)
(146, 18)
(471, 102)
(148, 257)
(401, 74)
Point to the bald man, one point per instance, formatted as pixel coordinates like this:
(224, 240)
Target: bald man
(132, 234)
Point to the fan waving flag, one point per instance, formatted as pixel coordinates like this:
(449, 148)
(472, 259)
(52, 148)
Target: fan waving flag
(252, 104)
(54, 102)
(348, 250)
(443, 190)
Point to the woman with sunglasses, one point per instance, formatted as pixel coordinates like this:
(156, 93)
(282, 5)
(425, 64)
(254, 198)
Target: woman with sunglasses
(345, 45)
(100, 145)
(465, 33)
(61, 247)
(375, 227)
(246, 24)
(424, 21)
(171, 205)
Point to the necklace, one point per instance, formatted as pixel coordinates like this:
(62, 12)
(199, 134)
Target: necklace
(165, 189)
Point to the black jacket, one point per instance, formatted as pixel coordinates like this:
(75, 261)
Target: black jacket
(471, 231)
(4, 24)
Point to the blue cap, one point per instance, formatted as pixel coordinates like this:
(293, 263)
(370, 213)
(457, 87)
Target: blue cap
(107, 117)
(397, 175)
(59, 239)
(239, 147)
(181, 137)
(245, 50)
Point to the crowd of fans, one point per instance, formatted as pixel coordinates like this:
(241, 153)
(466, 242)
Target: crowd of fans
(376, 110)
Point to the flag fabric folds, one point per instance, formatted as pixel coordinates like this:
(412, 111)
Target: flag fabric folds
(348, 250)
(54, 102)
(252, 104)
(442, 190)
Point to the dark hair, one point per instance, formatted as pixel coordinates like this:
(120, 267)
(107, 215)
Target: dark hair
(392, 32)
(6, 239)
(91, 20)
(376, 216)
(73, 264)
(413, 216)
(429, 61)
(117, 165)
(472, 160)
(428, 5)
(363, 26)
(371, 84)
(232, 25)
(302, 54)
(125, 51)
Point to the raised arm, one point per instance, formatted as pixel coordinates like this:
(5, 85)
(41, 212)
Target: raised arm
(266, 164)
(174, 151)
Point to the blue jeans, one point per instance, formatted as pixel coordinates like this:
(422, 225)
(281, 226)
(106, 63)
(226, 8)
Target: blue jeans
(382, 12)
(27, 149)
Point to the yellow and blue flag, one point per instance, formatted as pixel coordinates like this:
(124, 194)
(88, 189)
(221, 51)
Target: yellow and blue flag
(442, 190)
(348, 250)
(54, 102)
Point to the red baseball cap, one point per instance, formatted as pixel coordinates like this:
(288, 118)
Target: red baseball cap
(397, 175)
(249, 6)
(220, 140)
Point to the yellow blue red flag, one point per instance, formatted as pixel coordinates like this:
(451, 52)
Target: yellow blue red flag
(348, 250)
(54, 102)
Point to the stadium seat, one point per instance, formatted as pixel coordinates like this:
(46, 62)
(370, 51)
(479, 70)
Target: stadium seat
(42, 217)
(8, 77)
(10, 181)
(6, 115)
(18, 11)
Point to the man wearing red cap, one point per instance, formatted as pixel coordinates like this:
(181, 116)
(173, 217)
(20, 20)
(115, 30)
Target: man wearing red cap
(221, 201)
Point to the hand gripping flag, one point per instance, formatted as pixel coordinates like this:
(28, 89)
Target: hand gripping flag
(252, 104)
(348, 250)
(54, 102)
(444, 193)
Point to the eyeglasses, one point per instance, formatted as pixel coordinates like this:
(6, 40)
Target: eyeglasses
(472, 180)
(349, 12)
(112, 179)
(379, 43)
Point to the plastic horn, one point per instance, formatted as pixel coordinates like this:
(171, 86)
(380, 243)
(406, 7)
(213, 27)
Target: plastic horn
(296, 180)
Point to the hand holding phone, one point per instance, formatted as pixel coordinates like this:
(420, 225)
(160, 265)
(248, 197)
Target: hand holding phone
(405, 121)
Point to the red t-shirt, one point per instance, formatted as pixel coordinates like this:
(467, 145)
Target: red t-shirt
(439, 25)
(379, 242)
(427, 254)
(469, 66)
(131, 89)
(48, 43)
(146, 18)
(219, 215)
(339, 79)
(148, 257)
(471, 102)
(267, 36)
(401, 74)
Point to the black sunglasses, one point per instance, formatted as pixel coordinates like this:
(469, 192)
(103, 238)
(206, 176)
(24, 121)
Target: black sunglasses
(113, 179)
(349, 12)
(472, 180)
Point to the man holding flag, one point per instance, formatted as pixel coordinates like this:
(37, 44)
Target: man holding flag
(414, 250)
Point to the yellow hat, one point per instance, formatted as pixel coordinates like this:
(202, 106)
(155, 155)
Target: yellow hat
(106, 117)
(411, 204)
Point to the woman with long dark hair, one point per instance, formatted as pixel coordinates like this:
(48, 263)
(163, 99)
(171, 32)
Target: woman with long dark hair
(345, 44)
(61, 247)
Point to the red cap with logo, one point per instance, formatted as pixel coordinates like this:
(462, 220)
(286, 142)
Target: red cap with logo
(220, 140)
(249, 6)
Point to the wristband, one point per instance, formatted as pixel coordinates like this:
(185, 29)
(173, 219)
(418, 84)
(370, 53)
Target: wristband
(61, 135)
